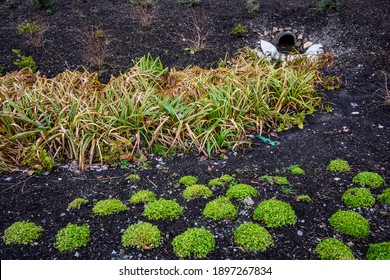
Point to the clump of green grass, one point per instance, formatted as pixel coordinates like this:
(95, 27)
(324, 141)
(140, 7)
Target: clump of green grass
(77, 202)
(22, 233)
(143, 196)
(163, 209)
(72, 237)
(109, 207)
(333, 249)
(379, 251)
(370, 179)
(188, 180)
(197, 190)
(275, 213)
(350, 223)
(384, 197)
(303, 198)
(241, 191)
(327, 5)
(253, 237)
(196, 242)
(219, 209)
(142, 236)
(279, 180)
(358, 197)
(338, 165)
(296, 170)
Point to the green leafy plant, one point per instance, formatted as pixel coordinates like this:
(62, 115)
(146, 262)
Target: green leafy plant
(379, 251)
(143, 236)
(197, 190)
(338, 165)
(143, 196)
(327, 5)
(163, 209)
(296, 170)
(333, 249)
(358, 197)
(253, 237)
(332, 83)
(22, 233)
(350, 223)
(33, 32)
(219, 209)
(72, 237)
(279, 180)
(287, 190)
(134, 178)
(384, 197)
(188, 180)
(41, 3)
(303, 198)
(196, 242)
(36, 159)
(24, 61)
(241, 191)
(109, 207)
(77, 202)
(252, 6)
(370, 179)
(275, 213)
(238, 30)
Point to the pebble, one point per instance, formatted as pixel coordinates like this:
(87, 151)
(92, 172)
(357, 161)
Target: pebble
(8, 179)
(300, 233)
(62, 215)
(113, 252)
(307, 45)
(77, 254)
(355, 113)
(249, 201)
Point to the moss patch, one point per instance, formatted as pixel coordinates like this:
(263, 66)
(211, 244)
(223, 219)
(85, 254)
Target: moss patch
(370, 179)
(333, 249)
(275, 213)
(338, 165)
(296, 170)
(72, 237)
(142, 236)
(358, 197)
(303, 198)
(241, 191)
(163, 209)
(188, 180)
(253, 237)
(279, 180)
(77, 202)
(379, 251)
(197, 190)
(350, 223)
(109, 207)
(385, 196)
(219, 209)
(143, 196)
(196, 242)
(22, 233)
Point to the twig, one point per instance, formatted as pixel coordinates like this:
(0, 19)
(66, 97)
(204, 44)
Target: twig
(21, 182)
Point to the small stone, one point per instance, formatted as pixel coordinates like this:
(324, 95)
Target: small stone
(125, 257)
(77, 254)
(355, 113)
(59, 179)
(275, 29)
(337, 179)
(295, 30)
(300, 233)
(354, 104)
(113, 252)
(300, 37)
(249, 201)
(8, 179)
(62, 215)
(265, 33)
(307, 45)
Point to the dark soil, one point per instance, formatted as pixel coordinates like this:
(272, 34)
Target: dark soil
(358, 129)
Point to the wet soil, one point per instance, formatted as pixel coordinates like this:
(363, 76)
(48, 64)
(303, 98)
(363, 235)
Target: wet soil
(357, 130)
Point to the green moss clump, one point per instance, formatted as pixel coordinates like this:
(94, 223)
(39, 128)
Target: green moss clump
(72, 237)
(296, 170)
(379, 251)
(197, 191)
(333, 249)
(358, 197)
(134, 178)
(227, 178)
(77, 202)
(275, 213)
(188, 180)
(109, 207)
(219, 209)
(371, 179)
(143, 196)
(303, 198)
(279, 180)
(338, 165)
(241, 191)
(350, 223)
(253, 237)
(221, 181)
(385, 196)
(163, 209)
(142, 236)
(22, 233)
(194, 241)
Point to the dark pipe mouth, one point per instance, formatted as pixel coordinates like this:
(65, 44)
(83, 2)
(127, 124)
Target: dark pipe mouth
(285, 41)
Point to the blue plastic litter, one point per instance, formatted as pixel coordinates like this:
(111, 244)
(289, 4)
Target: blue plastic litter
(266, 140)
